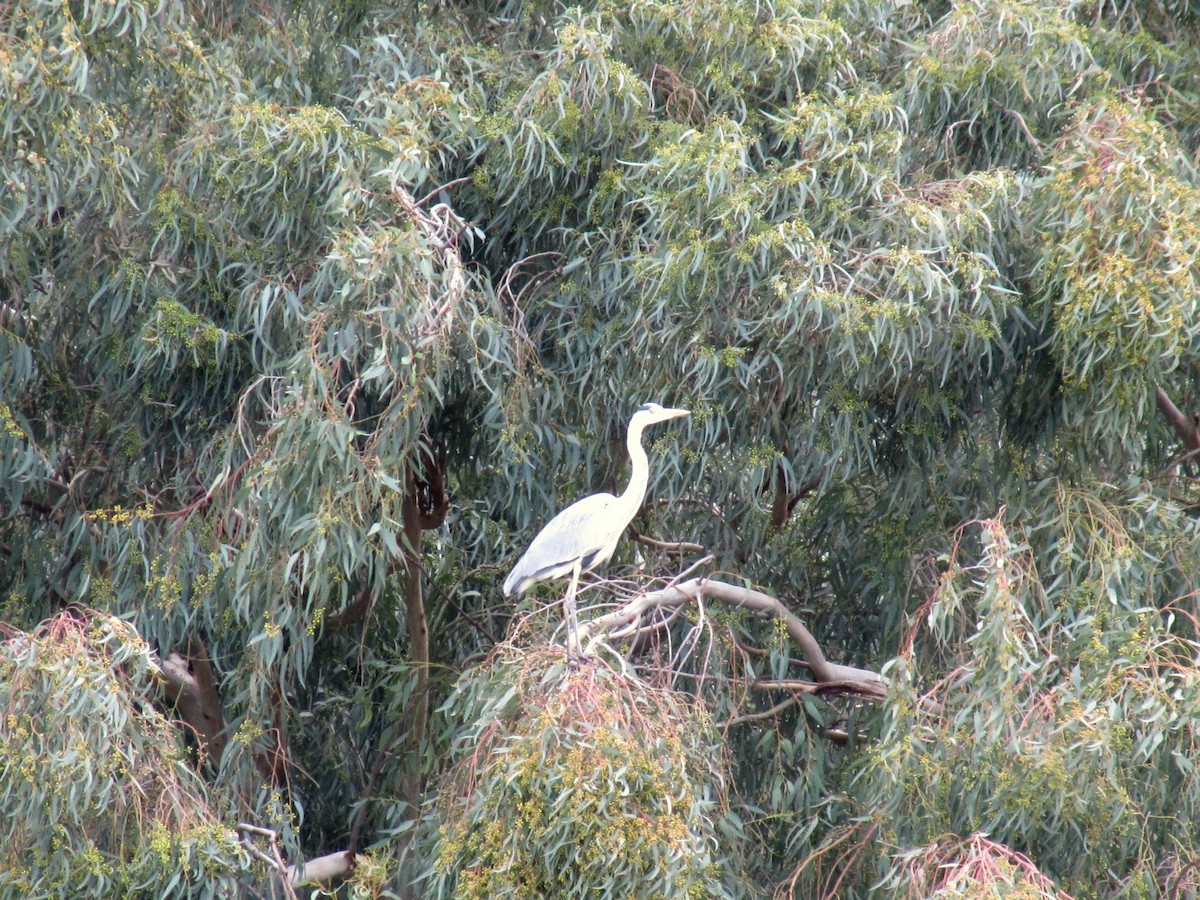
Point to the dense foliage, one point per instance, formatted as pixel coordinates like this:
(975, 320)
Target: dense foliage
(312, 312)
(577, 790)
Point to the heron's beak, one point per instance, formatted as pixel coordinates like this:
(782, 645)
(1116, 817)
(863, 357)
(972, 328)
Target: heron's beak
(676, 413)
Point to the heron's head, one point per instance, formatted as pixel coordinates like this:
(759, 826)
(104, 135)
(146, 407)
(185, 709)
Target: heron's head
(650, 413)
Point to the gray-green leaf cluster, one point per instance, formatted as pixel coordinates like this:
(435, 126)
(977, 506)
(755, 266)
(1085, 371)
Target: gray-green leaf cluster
(311, 313)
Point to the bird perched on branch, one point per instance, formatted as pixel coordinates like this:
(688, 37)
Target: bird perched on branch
(584, 535)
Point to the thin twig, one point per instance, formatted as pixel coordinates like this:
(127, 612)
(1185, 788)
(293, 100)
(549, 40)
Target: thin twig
(442, 187)
(764, 714)
(669, 546)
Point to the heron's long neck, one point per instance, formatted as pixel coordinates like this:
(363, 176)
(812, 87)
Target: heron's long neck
(639, 476)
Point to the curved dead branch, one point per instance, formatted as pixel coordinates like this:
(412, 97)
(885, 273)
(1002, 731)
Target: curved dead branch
(848, 678)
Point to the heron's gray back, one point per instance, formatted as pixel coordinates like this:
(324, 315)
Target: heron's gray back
(583, 531)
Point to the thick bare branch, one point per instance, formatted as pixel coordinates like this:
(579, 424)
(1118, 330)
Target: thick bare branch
(785, 500)
(850, 678)
(1185, 426)
(321, 870)
(191, 685)
(858, 686)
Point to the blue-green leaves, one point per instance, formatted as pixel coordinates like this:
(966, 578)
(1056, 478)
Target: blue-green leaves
(1117, 256)
(100, 795)
(572, 783)
(311, 312)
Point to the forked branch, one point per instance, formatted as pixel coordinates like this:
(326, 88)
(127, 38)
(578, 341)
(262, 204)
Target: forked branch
(321, 870)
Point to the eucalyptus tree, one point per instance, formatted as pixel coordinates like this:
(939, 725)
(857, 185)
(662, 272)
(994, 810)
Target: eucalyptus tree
(311, 314)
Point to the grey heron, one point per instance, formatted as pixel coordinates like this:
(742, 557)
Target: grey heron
(584, 535)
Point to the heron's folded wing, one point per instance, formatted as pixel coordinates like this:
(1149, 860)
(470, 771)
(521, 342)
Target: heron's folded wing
(579, 532)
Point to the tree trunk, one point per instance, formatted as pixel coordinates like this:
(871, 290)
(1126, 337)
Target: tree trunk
(418, 636)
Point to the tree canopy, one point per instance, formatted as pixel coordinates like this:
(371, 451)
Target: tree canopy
(312, 313)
